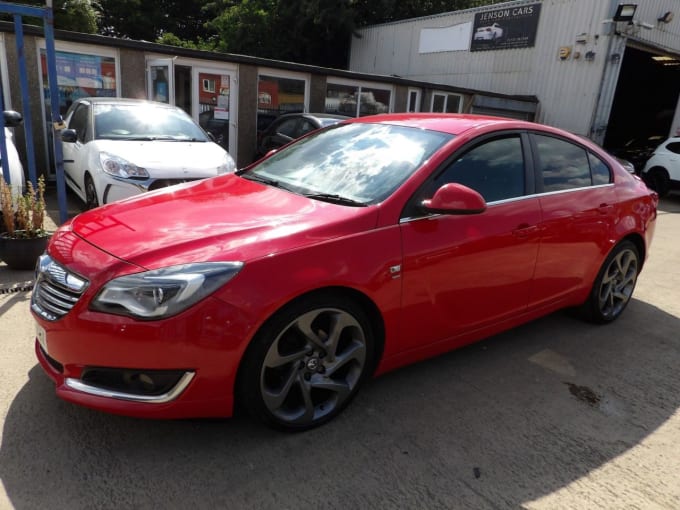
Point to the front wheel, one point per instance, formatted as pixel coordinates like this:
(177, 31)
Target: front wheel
(307, 363)
(614, 285)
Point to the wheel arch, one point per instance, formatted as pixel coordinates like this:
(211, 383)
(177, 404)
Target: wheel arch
(365, 302)
(639, 243)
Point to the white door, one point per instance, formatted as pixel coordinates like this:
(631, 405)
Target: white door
(160, 80)
(215, 104)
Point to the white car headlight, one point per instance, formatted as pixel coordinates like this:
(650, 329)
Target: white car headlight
(161, 293)
(227, 166)
(119, 167)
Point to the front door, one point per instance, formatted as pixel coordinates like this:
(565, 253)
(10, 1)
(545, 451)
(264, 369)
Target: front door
(465, 272)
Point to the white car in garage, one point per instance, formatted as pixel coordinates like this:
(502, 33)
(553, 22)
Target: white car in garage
(116, 148)
(662, 170)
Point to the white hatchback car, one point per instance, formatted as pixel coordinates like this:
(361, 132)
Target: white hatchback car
(16, 170)
(115, 148)
(662, 170)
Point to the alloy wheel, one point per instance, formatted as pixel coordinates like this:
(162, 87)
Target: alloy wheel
(313, 366)
(618, 283)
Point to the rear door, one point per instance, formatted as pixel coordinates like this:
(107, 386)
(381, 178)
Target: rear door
(577, 199)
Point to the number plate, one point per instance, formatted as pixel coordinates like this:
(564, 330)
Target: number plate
(42, 337)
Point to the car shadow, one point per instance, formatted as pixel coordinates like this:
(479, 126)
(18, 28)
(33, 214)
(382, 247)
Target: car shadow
(493, 425)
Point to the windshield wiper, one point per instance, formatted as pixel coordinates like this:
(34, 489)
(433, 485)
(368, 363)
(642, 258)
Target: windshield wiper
(335, 199)
(264, 180)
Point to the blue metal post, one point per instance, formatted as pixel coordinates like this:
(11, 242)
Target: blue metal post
(56, 116)
(25, 101)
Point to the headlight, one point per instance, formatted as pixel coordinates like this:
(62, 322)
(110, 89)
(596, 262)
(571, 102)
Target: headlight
(119, 167)
(163, 292)
(228, 165)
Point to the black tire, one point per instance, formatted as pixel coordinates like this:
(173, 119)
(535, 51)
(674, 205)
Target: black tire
(292, 376)
(91, 200)
(659, 180)
(614, 285)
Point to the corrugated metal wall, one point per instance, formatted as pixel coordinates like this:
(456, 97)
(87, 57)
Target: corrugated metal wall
(567, 89)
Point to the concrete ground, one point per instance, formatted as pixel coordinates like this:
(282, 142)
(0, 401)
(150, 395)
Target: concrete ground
(554, 414)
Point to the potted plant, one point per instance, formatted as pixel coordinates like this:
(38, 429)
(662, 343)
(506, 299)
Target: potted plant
(23, 217)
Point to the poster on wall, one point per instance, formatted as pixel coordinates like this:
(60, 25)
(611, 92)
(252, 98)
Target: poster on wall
(505, 28)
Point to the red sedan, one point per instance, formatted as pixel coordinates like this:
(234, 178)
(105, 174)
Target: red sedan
(358, 249)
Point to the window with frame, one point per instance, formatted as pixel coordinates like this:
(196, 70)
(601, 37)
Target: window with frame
(356, 100)
(599, 170)
(80, 75)
(674, 147)
(562, 164)
(287, 127)
(413, 101)
(446, 103)
(494, 169)
(209, 85)
(78, 122)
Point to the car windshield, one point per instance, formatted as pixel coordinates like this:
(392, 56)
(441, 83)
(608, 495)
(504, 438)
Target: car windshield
(144, 122)
(361, 163)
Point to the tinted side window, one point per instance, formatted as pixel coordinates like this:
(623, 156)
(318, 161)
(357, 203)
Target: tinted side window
(562, 164)
(495, 169)
(599, 170)
(306, 127)
(287, 127)
(674, 147)
(79, 122)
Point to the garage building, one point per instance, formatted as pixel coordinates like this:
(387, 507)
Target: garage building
(603, 69)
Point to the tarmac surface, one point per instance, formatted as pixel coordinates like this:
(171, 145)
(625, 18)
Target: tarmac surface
(554, 414)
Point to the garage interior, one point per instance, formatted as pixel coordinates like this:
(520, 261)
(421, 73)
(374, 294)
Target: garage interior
(645, 99)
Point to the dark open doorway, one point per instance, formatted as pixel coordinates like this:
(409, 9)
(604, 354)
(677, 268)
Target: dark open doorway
(644, 104)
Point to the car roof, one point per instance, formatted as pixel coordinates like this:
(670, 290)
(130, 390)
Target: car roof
(453, 124)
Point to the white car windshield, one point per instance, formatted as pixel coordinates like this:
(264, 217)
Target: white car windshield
(356, 164)
(144, 122)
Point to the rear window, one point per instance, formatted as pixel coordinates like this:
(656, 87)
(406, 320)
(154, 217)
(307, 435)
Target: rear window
(674, 147)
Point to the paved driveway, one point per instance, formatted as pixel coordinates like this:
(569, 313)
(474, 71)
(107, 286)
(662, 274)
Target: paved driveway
(554, 414)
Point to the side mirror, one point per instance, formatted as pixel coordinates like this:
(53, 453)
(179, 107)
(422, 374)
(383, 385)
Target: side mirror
(455, 198)
(69, 136)
(12, 118)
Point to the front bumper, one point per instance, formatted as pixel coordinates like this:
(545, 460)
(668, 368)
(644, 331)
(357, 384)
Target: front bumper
(179, 367)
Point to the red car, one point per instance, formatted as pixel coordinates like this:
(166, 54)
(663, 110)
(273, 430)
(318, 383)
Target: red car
(360, 248)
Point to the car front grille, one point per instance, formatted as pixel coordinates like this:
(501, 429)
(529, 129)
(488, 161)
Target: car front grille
(56, 289)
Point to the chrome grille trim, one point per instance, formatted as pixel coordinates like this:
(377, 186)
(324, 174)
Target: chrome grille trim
(78, 385)
(56, 289)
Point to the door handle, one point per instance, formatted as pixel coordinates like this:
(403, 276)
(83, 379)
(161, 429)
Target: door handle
(605, 208)
(524, 230)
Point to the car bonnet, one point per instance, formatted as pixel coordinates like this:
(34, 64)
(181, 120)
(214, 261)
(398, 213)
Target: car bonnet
(224, 218)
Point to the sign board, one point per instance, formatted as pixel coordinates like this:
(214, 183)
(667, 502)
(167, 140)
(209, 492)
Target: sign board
(505, 28)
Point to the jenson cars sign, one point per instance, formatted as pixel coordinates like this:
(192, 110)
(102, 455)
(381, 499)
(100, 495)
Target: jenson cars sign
(511, 27)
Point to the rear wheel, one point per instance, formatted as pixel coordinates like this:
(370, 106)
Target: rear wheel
(614, 285)
(307, 363)
(91, 200)
(659, 180)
